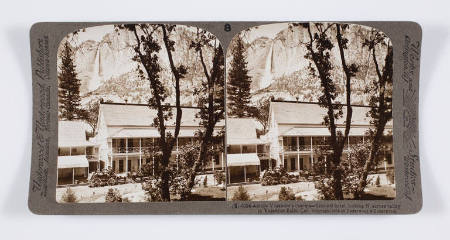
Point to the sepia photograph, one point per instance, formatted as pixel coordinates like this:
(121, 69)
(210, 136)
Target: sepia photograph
(309, 113)
(141, 115)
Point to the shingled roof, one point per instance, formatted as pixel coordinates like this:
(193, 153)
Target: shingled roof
(311, 113)
(241, 131)
(72, 134)
(141, 115)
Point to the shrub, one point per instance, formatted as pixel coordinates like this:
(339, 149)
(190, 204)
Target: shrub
(286, 194)
(205, 181)
(219, 176)
(390, 176)
(113, 195)
(69, 196)
(284, 180)
(377, 182)
(241, 194)
(152, 190)
(276, 176)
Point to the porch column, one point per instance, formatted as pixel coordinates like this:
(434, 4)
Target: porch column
(348, 152)
(73, 175)
(298, 154)
(153, 157)
(126, 155)
(282, 152)
(140, 153)
(228, 173)
(312, 156)
(176, 156)
(245, 173)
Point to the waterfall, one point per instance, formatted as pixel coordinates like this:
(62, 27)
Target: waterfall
(266, 80)
(94, 82)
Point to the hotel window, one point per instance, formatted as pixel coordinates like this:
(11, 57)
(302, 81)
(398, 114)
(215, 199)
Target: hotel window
(293, 164)
(216, 159)
(388, 158)
(120, 166)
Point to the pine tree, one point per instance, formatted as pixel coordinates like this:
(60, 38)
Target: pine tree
(239, 83)
(69, 86)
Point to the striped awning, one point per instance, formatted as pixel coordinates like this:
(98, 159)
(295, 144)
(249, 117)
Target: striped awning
(242, 159)
(77, 161)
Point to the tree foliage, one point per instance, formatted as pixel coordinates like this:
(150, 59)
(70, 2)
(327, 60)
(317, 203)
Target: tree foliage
(147, 50)
(239, 83)
(241, 194)
(69, 86)
(210, 101)
(319, 47)
(380, 101)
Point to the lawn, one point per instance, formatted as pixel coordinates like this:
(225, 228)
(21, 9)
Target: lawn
(133, 192)
(307, 192)
(258, 192)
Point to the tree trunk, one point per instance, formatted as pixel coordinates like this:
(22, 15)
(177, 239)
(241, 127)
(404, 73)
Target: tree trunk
(381, 114)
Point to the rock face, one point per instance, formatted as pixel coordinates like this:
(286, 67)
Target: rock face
(278, 66)
(107, 71)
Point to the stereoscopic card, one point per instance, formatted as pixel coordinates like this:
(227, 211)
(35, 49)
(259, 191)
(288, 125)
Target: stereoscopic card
(225, 118)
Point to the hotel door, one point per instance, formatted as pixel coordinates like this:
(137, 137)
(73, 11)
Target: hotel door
(120, 166)
(293, 168)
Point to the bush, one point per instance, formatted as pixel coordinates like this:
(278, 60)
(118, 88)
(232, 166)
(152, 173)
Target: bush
(205, 181)
(69, 196)
(113, 195)
(286, 194)
(153, 191)
(241, 194)
(391, 176)
(277, 176)
(219, 176)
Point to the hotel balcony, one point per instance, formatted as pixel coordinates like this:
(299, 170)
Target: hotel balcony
(130, 150)
(300, 148)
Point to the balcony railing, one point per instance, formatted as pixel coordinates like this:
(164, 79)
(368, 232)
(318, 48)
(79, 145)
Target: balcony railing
(305, 147)
(289, 148)
(127, 150)
(136, 150)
